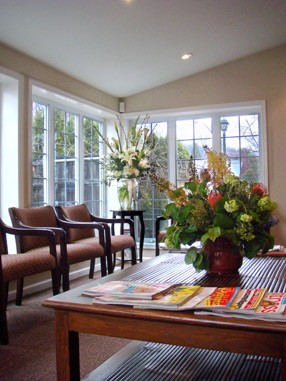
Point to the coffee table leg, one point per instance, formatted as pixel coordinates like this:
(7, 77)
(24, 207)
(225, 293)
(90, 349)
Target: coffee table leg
(67, 349)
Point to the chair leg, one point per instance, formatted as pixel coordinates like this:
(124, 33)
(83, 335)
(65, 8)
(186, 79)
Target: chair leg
(103, 266)
(91, 268)
(6, 292)
(56, 281)
(19, 293)
(157, 247)
(122, 259)
(66, 279)
(111, 261)
(133, 255)
(4, 337)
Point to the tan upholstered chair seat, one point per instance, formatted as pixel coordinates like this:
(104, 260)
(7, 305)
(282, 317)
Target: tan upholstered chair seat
(83, 249)
(21, 265)
(121, 242)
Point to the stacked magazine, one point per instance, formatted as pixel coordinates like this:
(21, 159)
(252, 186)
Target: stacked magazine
(224, 301)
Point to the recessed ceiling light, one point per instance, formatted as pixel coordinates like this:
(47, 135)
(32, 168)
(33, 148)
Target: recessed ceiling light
(186, 56)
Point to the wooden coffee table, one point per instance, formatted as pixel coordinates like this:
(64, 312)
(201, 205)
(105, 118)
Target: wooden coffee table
(75, 313)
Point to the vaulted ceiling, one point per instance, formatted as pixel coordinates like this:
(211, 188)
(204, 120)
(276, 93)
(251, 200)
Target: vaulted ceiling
(123, 47)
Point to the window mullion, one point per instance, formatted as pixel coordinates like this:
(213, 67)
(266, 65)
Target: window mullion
(51, 156)
(80, 159)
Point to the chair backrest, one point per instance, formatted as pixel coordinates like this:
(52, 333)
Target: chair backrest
(3, 239)
(79, 213)
(38, 217)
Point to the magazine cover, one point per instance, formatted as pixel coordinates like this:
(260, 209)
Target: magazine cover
(247, 300)
(273, 303)
(126, 289)
(220, 299)
(176, 298)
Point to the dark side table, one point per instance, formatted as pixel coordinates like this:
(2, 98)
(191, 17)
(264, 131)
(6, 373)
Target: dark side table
(131, 214)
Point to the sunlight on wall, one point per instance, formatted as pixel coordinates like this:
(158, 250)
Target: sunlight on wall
(9, 116)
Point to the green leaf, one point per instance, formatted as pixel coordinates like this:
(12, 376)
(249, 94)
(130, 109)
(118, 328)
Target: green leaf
(191, 255)
(191, 185)
(212, 234)
(223, 220)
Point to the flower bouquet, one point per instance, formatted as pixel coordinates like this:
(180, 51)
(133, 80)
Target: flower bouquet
(217, 204)
(128, 158)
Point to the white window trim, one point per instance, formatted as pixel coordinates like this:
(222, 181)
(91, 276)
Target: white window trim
(45, 93)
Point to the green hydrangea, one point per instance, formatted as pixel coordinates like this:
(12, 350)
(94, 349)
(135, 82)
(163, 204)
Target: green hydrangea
(265, 203)
(246, 218)
(231, 206)
(245, 233)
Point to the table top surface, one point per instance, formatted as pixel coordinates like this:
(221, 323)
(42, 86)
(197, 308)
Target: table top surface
(268, 272)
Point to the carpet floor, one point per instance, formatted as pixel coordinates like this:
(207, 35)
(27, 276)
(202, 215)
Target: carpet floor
(30, 355)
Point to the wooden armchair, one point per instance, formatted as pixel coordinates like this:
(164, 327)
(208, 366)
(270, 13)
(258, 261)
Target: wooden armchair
(113, 242)
(69, 253)
(18, 266)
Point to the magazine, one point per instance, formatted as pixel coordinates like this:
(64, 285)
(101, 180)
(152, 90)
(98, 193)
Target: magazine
(247, 300)
(271, 308)
(186, 306)
(134, 290)
(178, 297)
(273, 304)
(220, 300)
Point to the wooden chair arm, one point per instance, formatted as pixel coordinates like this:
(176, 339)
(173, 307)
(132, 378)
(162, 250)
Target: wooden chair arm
(32, 231)
(66, 223)
(114, 221)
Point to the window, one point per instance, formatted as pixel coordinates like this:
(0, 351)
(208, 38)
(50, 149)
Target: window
(39, 153)
(150, 199)
(66, 152)
(239, 132)
(93, 190)
(65, 157)
(191, 136)
(241, 142)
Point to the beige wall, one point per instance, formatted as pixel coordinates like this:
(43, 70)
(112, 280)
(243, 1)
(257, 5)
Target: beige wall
(258, 77)
(30, 68)
(34, 69)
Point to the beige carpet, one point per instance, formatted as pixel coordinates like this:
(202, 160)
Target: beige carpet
(30, 356)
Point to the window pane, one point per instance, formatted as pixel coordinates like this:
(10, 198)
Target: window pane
(39, 154)
(65, 160)
(93, 183)
(241, 143)
(200, 131)
(150, 199)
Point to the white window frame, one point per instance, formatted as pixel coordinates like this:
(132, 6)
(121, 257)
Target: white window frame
(75, 105)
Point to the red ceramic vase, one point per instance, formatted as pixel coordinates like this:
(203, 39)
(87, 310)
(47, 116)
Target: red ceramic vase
(224, 258)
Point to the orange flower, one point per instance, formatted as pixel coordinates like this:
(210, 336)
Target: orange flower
(213, 198)
(259, 189)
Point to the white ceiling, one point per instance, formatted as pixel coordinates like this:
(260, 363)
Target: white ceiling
(127, 46)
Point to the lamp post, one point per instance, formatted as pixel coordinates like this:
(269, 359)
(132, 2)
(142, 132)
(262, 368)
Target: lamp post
(223, 125)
